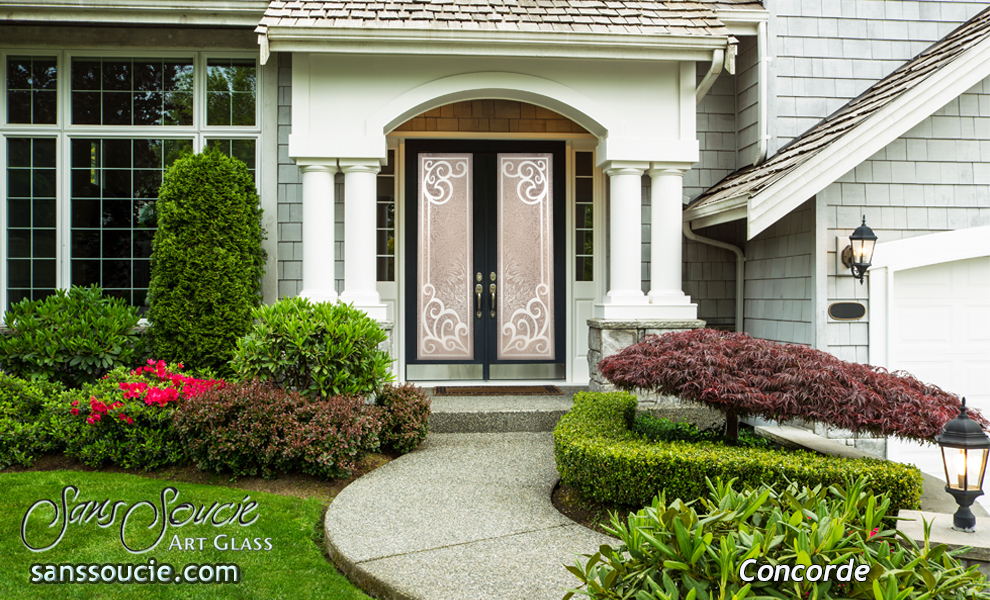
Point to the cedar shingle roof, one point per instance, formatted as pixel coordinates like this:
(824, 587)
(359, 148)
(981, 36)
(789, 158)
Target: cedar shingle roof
(667, 17)
(752, 180)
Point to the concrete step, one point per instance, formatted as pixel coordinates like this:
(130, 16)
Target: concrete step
(499, 414)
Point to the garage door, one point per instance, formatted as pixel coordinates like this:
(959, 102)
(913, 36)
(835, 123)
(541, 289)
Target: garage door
(940, 332)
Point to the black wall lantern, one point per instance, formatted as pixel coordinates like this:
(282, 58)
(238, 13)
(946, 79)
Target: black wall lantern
(964, 456)
(859, 253)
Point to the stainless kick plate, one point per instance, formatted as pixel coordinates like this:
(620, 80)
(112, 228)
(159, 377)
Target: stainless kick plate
(528, 371)
(443, 372)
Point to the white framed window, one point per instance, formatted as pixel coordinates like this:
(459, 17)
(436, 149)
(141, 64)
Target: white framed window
(85, 137)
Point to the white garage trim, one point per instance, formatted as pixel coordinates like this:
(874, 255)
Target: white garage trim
(911, 253)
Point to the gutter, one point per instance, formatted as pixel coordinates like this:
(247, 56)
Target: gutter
(721, 58)
(762, 59)
(740, 268)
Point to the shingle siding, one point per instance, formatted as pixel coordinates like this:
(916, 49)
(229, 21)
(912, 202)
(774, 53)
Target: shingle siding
(933, 178)
(289, 190)
(716, 128)
(828, 52)
(779, 301)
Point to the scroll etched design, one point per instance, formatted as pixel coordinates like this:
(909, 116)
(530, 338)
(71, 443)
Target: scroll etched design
(525, 251)
(445, 258)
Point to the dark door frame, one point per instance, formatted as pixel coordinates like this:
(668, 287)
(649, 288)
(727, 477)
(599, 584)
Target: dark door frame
(485, 242)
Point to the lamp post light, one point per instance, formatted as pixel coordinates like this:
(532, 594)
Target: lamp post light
(964, 456)
(858, 255)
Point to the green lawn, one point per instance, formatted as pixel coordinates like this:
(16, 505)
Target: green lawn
(294, 568)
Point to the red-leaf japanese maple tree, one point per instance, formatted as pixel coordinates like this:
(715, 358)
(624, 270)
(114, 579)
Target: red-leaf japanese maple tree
(744, 376)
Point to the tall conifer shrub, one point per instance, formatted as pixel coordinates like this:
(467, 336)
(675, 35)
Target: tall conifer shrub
(207, 261)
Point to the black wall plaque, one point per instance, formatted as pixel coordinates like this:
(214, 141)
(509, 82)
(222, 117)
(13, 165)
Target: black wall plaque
(846, 311)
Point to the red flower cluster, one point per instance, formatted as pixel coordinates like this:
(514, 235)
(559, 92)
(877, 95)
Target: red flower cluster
(98, 409)
(169, 387)
(178, 385)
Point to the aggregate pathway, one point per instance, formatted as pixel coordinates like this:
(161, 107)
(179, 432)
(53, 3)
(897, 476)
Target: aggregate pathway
(464, 517)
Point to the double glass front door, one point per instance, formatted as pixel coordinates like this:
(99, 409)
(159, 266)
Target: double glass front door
(485, 282)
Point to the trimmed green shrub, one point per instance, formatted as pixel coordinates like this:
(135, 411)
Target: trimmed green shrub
(325, 349)
(207, 261)
(74, 336)
(126, 418)
(657, 429)
(253, 428)
(25, 431)
(676, 550)
(598, 455)
(406, 415)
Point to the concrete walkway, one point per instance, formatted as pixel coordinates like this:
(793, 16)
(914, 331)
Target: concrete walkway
(464, 517)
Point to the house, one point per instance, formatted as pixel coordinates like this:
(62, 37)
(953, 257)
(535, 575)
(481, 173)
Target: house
(516, 188)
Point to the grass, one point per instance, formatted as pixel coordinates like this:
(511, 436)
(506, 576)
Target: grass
(295, 567)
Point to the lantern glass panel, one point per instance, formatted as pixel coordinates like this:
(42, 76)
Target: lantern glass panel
(964, 468)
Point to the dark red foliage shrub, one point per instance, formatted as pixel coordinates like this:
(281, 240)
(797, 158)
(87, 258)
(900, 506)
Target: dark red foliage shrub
(745, 376)
(406, 416)
(254, 427)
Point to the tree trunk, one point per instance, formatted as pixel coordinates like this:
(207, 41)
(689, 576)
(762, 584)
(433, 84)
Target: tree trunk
(731, 428)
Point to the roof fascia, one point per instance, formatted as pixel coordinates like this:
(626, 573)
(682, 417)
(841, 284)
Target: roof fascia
(889, 123)
(489, 42)
(742, 21)
(723, 211)
(240, 13)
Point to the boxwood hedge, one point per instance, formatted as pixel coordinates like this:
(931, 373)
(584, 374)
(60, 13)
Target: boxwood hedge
(598, 455)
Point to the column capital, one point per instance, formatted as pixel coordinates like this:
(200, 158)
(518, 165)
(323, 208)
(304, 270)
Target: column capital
(659, 169)
(360, 165)
(313, 168)
(625, 167)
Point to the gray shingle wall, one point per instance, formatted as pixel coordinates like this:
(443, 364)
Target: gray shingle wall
(933, 178)
(779, 291)
(716, 127)
(289, 190)
(747, 101)
(829, 51)
(290, 198)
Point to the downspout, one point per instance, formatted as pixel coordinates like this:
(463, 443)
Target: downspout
(740, 267)
(761, 91)
(721, 58)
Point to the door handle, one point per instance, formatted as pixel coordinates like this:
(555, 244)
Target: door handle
(477, 290)
(491, 289)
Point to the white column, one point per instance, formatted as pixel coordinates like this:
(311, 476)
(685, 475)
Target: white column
(667, 297)
(317, 233)
(625, 236)
(666, 238)
(360, 270)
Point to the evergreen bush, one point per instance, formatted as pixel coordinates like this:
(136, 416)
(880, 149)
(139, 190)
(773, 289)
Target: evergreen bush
(406, 416)
(73, 336)
(318, 350)
(25, 431)
(207, 261)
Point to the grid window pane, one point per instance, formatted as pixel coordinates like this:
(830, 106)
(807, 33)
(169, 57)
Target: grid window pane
(242, 150)
(32, 90)
(31, 238)
(114, 188)
(230, 95)
(385, 220)
(584, 222)
(132, 91)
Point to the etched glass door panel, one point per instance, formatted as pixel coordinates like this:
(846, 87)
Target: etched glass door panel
(444, 315)
(525, 257)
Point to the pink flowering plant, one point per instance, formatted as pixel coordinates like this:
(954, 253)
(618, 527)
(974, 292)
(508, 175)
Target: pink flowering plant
(126, 417)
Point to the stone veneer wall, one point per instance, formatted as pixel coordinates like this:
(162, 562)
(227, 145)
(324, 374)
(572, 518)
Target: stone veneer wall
(607, 337)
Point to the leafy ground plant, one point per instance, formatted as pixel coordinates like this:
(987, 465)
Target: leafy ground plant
(293, 568)
(678, 551)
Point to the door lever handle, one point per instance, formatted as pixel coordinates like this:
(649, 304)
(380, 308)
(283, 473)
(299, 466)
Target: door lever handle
(491, 289)
(477, 290)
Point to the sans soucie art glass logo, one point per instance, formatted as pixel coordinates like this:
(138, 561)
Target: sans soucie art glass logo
(166, 514)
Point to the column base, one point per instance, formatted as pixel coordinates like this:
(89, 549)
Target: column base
(606, 336)
(676, 312)
(369, 302)
(318, 296)
(677, 298)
